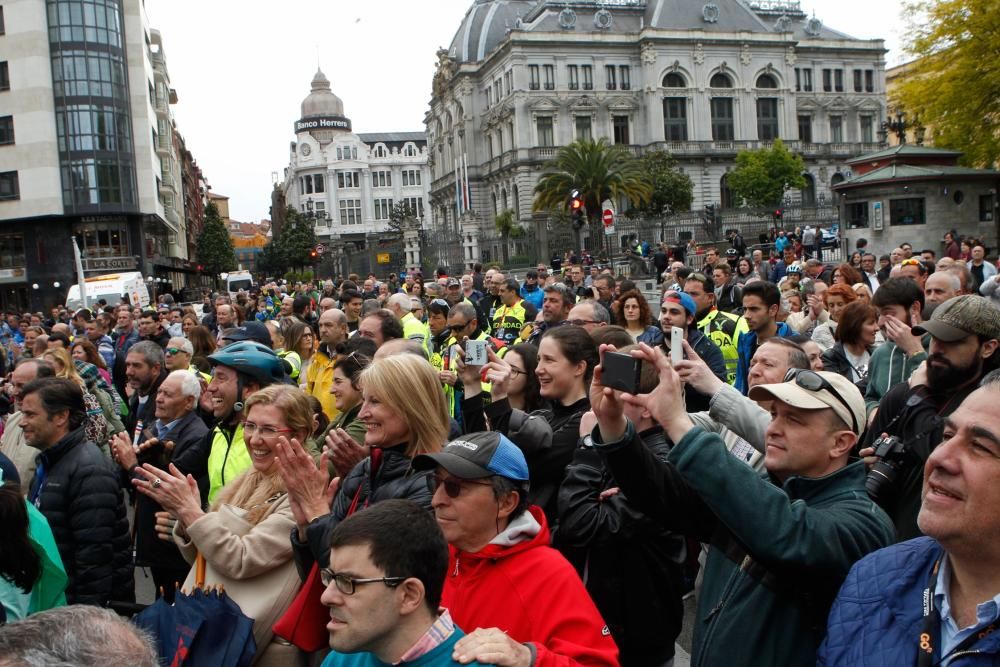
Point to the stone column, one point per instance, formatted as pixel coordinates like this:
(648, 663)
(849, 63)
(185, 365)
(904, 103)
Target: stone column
(411, 243)
(471, 227)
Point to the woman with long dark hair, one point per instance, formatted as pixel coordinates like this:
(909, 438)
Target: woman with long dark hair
(524, 390)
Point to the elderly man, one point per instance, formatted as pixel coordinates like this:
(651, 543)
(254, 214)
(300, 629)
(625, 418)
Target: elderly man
(178, 353)
(933, 599)
(938, 288)
(398, 544)
(781, 547)
(177, 437)
(502, 569)
(76, 487)
(145, 369)
(588, 314)
(333, 332)
(413, 329)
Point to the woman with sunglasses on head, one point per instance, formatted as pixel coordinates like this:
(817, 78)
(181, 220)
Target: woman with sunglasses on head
(404, 412)
(243, 535)
(630, 310)
(345, 437)
(567, 356)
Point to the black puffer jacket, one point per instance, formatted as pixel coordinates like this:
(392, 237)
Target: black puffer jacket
(77, 490)
(393, 480)
(835, 360)
(631, 565)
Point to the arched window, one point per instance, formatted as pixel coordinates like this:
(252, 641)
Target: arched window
(837, 179)
(380, 151)
(725, 194)
(493, 195)
(767, 81)
(409, 150)
(809, 192)
(674, 80)
(720, 80)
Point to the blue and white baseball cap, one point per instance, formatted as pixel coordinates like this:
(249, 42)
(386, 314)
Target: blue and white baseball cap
(478, 455)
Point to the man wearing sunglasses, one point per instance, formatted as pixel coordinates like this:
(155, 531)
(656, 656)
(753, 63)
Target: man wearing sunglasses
(503, 577)
(383, 589)
(780, 544)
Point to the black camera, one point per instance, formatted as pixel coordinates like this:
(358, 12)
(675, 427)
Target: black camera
(891, 456)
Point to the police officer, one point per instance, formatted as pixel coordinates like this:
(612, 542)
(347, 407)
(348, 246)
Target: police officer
(513, 314)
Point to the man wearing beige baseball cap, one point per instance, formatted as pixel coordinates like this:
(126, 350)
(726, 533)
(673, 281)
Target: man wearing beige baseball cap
(780, 544)
(965, 335)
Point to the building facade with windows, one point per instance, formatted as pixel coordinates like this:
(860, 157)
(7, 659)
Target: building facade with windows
(699, 79)
(84, 97)
(349, 183)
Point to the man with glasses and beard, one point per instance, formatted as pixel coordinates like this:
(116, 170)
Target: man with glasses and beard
(963, 348)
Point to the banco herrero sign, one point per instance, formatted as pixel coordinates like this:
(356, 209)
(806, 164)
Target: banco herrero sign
(323, 123)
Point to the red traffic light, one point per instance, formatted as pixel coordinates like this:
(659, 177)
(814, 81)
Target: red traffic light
(576, 203)
(312, 253)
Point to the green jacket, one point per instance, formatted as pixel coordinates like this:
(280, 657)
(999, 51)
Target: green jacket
(777, 555)
(889, 366)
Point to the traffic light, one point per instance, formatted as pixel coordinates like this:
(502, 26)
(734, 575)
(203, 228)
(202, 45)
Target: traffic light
(577, 211)
(778, 214)
(709, 214)
(312, 253)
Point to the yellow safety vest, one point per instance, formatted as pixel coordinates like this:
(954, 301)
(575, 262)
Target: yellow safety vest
(227, 460)
(508, 320)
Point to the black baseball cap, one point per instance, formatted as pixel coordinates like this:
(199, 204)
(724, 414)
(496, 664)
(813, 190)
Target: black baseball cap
(478, 455)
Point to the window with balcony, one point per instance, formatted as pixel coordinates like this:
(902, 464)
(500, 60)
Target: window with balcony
(722, 119)
(550, 76)
(6, 130)
(619, 126)
(767, 119)
(805, 128)
(624, 77)
(675, 125)
(610, 78)
(573, 74)
(588, 76)
(837, 129)
(9, 188)
(583, 129)
(908, 211)
(350, 211)
(544, 129)
(533, 80)
(380, 151)
(382, 209)
(867, 129)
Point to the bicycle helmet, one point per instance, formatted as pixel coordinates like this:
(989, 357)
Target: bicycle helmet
(252, 359)
(794, 268)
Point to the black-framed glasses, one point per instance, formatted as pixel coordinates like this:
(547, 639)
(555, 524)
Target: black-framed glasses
(580, 323)
(347, 585)
(453, 487)
(517, 371)
(458, 327)
(812, 381)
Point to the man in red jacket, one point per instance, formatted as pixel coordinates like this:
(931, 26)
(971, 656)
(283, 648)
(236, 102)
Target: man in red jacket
(503, 577)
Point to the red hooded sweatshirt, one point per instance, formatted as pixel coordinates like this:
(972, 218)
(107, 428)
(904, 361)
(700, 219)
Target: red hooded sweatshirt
(520, 584)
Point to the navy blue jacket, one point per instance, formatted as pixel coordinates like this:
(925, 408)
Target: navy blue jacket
(745, 348)
(877, 617)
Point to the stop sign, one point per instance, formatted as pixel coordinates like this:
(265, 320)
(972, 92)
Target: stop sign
(609, 217)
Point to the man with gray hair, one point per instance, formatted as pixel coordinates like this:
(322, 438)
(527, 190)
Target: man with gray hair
(177, 436)
(13, 444)
(178, 354)
(413, 329)
(589, 314)
(145, 369)
(78, 635)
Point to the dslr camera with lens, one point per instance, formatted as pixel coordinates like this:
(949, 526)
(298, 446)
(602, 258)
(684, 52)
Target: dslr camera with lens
(892, 457)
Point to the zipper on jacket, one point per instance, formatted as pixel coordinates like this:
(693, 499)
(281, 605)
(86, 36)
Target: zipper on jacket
(713, 616)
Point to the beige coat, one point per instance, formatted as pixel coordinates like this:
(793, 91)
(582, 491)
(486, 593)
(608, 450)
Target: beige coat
(253, 563)
(13, 446)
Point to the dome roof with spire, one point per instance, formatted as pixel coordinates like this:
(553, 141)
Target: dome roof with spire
(321, 101)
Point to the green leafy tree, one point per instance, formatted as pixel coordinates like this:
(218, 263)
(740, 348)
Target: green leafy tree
(297, 240)
(597, 169)
(400, 214)
(762, 176)
(673, 190)
(214, 248)
(508, 229)
(953, 85)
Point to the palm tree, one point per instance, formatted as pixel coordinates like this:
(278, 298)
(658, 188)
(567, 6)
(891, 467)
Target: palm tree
(508, 229)
(598, 170)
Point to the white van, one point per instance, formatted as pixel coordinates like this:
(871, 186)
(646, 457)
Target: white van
(239, 280)
(113, 288)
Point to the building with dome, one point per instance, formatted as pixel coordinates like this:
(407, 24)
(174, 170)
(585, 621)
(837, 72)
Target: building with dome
(348, 183)
(699, 79)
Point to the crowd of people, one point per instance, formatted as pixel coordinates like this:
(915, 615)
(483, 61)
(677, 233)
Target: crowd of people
(453, 470)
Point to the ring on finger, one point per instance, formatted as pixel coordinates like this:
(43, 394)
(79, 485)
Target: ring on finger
(157, 483)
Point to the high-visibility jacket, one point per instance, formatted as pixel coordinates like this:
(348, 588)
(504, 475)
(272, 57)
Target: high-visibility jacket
(441, 361)
(227, 460)
(508, 321)
(319, 380)
(414, 329)
(724, 329)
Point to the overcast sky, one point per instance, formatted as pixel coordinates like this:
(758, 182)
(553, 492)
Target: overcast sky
(241, 70)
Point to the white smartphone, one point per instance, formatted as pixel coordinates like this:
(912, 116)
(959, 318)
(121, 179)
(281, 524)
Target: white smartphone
(475, 353)
(676, 345)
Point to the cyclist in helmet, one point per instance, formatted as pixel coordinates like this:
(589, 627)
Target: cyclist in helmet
(238, 371)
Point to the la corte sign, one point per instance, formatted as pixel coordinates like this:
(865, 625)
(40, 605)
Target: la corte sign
(323, 123)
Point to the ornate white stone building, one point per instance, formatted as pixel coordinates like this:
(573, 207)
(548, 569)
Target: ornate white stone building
(700, 79)
(350, 182)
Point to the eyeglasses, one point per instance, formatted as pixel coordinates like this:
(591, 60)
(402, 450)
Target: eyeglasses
(458, 327)
(813, 381)
(266, 432)
(347, 585)
(452, 487)
(174, 350)
(580, 323)
(517, 371)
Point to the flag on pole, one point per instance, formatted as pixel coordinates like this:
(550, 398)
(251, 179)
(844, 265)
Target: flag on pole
(79, 273)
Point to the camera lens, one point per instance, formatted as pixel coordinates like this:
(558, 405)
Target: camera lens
(880, 479)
